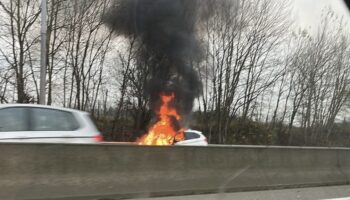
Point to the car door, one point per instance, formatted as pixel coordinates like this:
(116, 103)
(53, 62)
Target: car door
(51, 125)
(14, 124)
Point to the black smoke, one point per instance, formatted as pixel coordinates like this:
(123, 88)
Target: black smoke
(167, 42)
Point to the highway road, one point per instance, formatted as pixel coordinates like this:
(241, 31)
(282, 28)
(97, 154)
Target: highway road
(314, 193)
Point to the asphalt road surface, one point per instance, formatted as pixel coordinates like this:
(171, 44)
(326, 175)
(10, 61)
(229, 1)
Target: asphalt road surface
(315, 193)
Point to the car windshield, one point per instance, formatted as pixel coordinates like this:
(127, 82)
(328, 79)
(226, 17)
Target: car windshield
(188, 96)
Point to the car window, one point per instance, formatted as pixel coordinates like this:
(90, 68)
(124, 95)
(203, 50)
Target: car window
(52, 120)
(13, 119)
(191, 135)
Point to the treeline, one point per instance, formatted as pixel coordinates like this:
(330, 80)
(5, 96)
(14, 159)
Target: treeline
(77, 45)
(264, 80)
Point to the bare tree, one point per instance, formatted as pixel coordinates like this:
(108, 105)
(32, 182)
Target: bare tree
(18, 24)
(86, 44)
(239, 66)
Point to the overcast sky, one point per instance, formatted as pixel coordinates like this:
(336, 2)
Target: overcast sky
(307, 13)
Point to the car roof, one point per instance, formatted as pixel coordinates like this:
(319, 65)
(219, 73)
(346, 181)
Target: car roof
(41, 106)
(193, 131)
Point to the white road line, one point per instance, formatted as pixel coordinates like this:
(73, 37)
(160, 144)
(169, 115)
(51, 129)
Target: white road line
(344, 198)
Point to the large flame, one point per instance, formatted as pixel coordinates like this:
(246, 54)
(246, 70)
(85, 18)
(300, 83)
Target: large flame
(163, 131)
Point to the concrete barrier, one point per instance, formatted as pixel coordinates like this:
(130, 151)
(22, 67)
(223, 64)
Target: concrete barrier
(44, 171)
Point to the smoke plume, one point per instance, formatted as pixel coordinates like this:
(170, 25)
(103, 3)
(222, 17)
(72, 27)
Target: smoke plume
(166, 35)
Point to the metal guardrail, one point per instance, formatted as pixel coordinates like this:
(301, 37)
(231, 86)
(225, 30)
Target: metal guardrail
(49, 171)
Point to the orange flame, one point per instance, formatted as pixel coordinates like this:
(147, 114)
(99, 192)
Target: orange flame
(163, 131)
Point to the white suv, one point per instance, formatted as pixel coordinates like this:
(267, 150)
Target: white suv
(193, 138)
(37, 123)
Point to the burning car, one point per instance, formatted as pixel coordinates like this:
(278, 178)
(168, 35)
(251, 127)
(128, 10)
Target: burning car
(193, 138)
(167, 129)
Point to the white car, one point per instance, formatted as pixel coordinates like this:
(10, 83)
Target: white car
(37, 123)
(193, 138)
